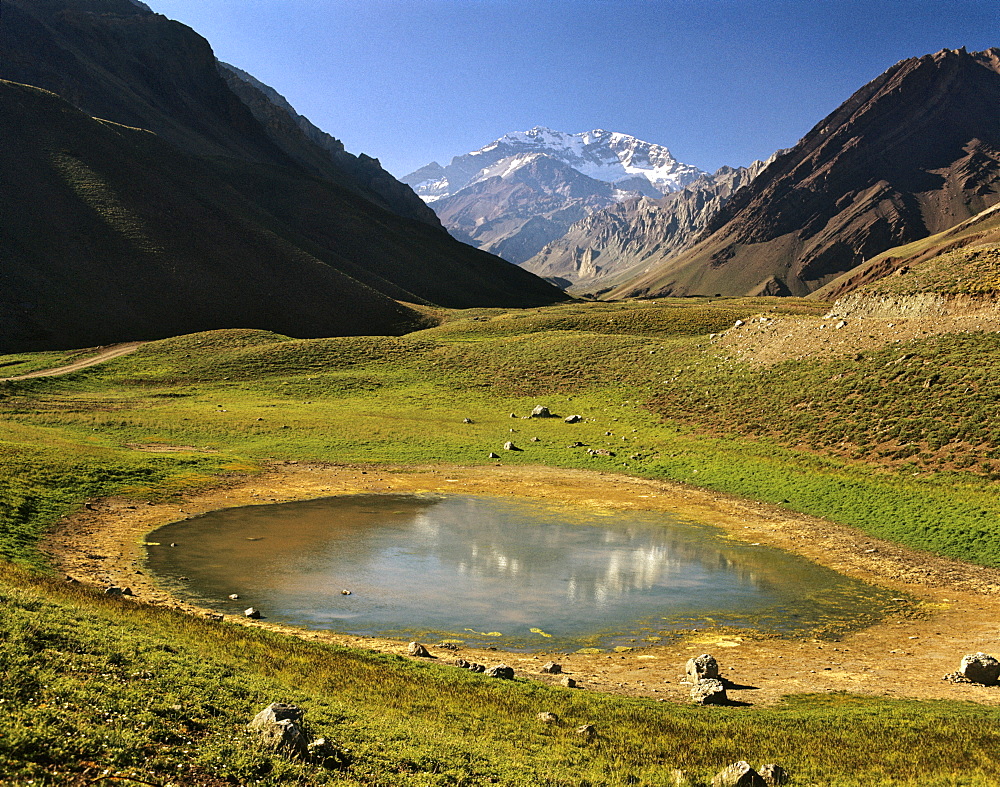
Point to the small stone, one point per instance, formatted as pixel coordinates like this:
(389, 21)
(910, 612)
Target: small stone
(980, 668)
(587, 731)
(477, 668)
(173, 543)
(494, 455)
(345, 592)
(234, 596)
(126, 591)
(739, 774)
(416, 649)
(573, 419)
(462, 664)
(501, 671)
(513, 415)
(215, 617)
(509, 446)
(551, 668)
(548, 718)
(709, 692)
(541, 411)
(773, 775)
(252, 613)
(535, 440)
(114, 590)
(568, 682)
(840, 324)
(466, 420)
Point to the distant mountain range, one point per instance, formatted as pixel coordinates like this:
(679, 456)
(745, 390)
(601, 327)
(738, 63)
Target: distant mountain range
(912, 153)
(524, 190)
(154, 191)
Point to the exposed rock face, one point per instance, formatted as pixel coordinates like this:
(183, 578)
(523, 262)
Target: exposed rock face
(912, 153)
(602, 248)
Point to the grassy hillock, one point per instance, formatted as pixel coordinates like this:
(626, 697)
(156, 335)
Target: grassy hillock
(99, 689)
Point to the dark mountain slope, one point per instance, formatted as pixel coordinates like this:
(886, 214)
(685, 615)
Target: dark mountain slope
(137, 68)
(914, 152)
(113, 234)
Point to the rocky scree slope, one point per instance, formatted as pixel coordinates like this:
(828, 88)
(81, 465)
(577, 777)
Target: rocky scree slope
(115, 60)
(914, 152)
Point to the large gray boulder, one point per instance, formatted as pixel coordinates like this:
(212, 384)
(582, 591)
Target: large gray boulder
(739, 774)
(279, 727)
(501, 671)
(419, 650)
(541, 411)
(980, 668)
(701, 667)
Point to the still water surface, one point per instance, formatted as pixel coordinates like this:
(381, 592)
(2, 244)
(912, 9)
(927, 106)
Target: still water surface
(516, 574)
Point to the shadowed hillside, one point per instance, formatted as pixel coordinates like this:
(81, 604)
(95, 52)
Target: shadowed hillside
(207, 223)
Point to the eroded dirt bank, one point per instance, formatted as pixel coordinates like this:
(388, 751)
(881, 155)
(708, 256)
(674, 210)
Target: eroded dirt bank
(957, 610)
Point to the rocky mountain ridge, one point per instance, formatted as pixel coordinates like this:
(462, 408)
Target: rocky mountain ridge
(914, 152)
(609, 244)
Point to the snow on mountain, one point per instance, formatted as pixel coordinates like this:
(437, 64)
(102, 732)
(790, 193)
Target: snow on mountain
(629, 163)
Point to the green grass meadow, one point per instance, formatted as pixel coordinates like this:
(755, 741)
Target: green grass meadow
(103, 691)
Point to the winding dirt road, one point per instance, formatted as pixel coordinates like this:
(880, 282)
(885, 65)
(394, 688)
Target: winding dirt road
(104, 354)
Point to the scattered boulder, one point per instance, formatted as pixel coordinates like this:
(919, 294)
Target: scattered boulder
(279, 726)
(600, 452)
(701, 667)
(587, 731)
(773, 775)
(568, 682)
(551, 668)
(234, 596)
(416, 649)
(345, 592)
(466, 420)
(462, 664)
(541, 411)
(114, 590)
(509, 446)
(576, 444)
(480, 668)
(548, 718)
(536, 439)
(709, 692)
(251, 612)
(739, 774)
(573, 419)
(494, 455)
(980, 668)
(513, 415)
(501, 671)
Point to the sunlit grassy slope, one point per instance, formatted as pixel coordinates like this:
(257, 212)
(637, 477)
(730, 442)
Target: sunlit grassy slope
(97, 684)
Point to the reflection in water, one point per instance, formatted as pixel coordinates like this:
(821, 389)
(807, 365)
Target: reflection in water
(449, 566)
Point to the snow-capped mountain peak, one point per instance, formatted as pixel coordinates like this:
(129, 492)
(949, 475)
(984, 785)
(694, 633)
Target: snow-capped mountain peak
(613, 157)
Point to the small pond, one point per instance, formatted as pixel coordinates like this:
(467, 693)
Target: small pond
(498, 571)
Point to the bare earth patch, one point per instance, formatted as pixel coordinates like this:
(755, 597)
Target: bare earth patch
(958, 605)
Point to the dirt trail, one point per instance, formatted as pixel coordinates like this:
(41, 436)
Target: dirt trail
(957, 609)
(105, 354)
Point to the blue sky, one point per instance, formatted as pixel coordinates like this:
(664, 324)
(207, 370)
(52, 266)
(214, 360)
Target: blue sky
(716, 81)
